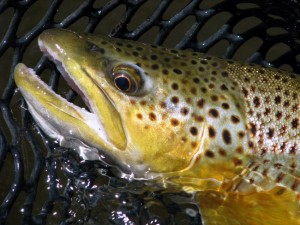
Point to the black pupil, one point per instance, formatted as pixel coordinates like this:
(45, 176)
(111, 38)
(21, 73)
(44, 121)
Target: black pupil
(122, 83)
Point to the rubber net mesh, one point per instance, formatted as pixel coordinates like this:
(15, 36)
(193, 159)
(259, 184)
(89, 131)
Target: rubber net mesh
(41, 183)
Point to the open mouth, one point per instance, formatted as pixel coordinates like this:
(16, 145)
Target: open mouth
(73, 126)
(54, 114)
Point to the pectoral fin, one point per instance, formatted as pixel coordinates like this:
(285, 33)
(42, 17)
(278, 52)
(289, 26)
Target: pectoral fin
(276, 207)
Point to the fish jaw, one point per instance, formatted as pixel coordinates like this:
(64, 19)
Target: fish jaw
(59, 118)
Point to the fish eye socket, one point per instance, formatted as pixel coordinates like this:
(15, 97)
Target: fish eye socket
(124, 82)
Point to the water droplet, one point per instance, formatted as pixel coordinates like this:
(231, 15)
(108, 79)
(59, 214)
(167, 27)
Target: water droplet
(191, 212)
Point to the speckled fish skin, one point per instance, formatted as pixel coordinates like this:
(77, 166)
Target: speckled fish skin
(227, 130)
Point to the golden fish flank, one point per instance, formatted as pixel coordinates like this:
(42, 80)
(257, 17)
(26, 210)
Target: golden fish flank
(195, 120)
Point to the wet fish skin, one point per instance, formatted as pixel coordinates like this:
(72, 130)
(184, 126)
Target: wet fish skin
(210, 125)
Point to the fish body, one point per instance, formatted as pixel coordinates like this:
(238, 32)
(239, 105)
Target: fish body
(228, 131)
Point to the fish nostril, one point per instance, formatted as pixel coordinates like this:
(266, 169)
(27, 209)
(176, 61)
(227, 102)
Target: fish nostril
(95, 48)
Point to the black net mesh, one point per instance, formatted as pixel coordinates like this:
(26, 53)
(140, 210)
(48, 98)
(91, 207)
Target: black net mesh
(42, 183)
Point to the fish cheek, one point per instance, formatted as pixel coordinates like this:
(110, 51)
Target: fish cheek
(160, 146)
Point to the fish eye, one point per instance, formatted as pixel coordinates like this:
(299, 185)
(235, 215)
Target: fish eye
(124, 82)
(127, 78)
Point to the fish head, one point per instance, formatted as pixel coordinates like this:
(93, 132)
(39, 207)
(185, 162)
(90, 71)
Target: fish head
(137, 95)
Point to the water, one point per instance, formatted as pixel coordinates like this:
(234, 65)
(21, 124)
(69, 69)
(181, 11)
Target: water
(99, 197)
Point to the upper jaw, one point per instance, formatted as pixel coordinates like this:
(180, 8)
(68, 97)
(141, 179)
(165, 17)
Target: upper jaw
(61, 119)
(68, 51)
(53, 56)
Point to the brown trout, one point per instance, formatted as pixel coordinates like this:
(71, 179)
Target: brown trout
(227, 131)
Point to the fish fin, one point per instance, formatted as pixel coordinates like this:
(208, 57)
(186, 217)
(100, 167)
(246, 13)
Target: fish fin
(277, 206)
(265, 175)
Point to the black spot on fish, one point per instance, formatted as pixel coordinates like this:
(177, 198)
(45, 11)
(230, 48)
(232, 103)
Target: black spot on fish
(226, 136)
(194, 131)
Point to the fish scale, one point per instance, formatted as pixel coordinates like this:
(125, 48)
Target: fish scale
(224, 130)
(272, 108)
